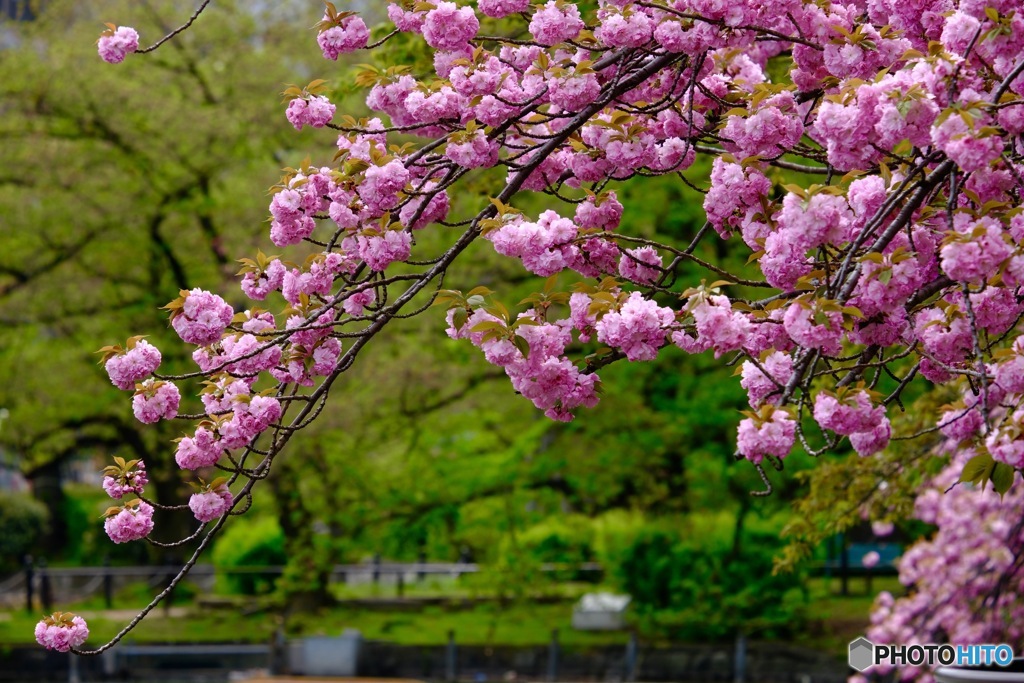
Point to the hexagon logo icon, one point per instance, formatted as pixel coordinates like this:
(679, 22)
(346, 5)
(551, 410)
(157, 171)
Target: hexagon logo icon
(862, 654)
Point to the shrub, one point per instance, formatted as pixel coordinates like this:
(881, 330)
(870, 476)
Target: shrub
(568, 542)
(24, 521)
(256, 542)
(691, 582)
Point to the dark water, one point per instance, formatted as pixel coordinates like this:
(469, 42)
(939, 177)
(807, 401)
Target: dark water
(762, 663)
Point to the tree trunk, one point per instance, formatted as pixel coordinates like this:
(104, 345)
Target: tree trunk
(306, 580)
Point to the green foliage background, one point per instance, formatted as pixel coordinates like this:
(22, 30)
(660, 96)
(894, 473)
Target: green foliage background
(124, 184)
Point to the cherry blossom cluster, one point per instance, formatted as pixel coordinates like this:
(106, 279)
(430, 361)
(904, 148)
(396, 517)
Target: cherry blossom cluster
(965, 583)
(136, 361)
(117, 42)
(61, 631)
(129, 522)
(315, 111)
(642, 88)
(211, 500)
(125, 478)
(865, 156)
(341, 33)
(532, 353)
(133, 519)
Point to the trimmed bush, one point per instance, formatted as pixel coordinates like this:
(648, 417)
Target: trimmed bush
(255, 542)
(568, 542)
(692, 583)
(24, 521)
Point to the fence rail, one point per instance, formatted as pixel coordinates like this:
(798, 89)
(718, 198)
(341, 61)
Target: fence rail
(47, 586)
(50, 585)
(383, 568)
(739, 662)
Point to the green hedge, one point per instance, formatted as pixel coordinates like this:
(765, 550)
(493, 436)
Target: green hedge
(24, 520)
(690, 581)
(249, 542)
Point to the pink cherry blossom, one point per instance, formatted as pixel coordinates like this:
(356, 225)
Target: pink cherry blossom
(136, 363)
(133, 481)
(257, 285)
(624, 28)
(775, 436)
(760, 387)
(872, 441)
(853, 412)
(405, 20)
(975, 250)
(448, 27)
(203, 449)
(61, 632)
(638, 328)
(355, 303)
(640, 265)
(475, 151)
(552, 24)
(202, 318)
(502, 8)
(131, 523)
(603, 213)
(316, 112)
(116, 44)
(348, 36)
(210, 504)
(155, 401)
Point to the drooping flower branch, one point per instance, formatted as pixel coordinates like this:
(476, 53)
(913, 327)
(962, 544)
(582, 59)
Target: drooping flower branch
(865, 154)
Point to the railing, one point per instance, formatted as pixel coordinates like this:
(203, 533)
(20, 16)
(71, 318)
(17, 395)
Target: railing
(50, 585)
(382, 568)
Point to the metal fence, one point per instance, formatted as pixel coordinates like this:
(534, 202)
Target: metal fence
(45, 586)
(636, 662)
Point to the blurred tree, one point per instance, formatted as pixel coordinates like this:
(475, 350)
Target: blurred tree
(113, 200)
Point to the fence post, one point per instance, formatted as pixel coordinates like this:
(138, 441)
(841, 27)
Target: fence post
(740, 664)
(422, 560)
(109, 663)
(450, 671)
(45, 587)
(279, 651)
(108, 583)
(465, 557)
(30, 577)
(376, 569)
(631, 656)
(73, 675)
(844, 566)
(553, 656)
(400, 585)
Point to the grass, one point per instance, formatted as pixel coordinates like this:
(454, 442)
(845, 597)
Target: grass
(465, 587)
(518, 625)
(16, 627)
(833, 620)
